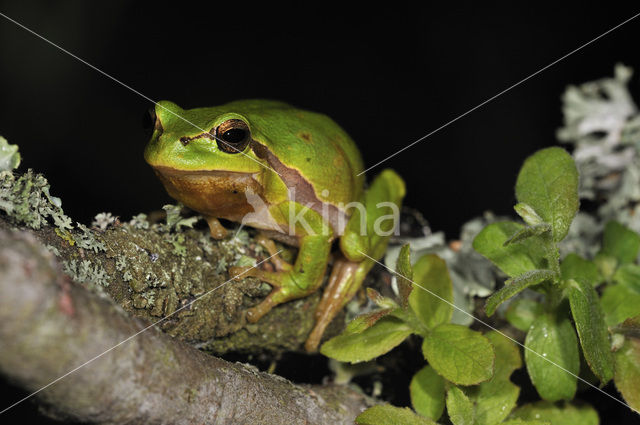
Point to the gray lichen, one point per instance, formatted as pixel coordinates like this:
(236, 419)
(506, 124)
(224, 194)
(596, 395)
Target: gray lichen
(602, 122)
(471, 274)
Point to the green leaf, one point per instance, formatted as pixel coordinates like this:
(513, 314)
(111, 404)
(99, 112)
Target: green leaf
(404, 275)
(507, 356)
(528, 214)
(380, 300)
(524, 422)
(432, 277)
(565, 414)
(552, 340)
(548, 182)
(9, 155)
(627, 374)
(460, 409)
(515, 286)
(495, 398)
(620, 242)
(527, 232)
(522, 312)
(629, 276)
(366, 320)
(619, 303)
(375, 341)
(460, 355)
(427, 393)
(513, 259)
(630, 327)
(592, 331)
(607, 265)
(385, 414)
(575, 267)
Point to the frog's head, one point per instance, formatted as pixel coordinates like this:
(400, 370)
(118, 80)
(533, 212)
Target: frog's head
(200, 139)
(203, 157)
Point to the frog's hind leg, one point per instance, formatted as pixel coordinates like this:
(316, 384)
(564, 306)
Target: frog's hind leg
(299, 280)
(345, 280)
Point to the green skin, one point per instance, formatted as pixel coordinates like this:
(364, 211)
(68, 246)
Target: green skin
(302, 169)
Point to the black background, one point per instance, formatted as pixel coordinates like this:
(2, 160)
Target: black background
(389, 74)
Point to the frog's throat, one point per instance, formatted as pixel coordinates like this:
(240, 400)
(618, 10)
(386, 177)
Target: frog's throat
(300, 190)
(217, 194)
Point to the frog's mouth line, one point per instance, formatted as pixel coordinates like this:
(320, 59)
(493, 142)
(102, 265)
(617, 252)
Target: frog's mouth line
(174, 172)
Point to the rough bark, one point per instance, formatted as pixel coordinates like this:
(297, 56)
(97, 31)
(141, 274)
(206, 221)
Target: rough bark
(152, 271)
(49, 326)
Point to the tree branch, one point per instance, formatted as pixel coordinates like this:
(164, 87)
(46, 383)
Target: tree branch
(49, 326)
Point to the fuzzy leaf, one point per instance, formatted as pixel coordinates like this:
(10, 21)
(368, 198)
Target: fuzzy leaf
(364, 321)
(620, 242)
(495, 398)
(619, 303)
(627, 374)
(554, 340)
(515, 286)
(426, 300)
(575, 267)
(525, 422)
(380, 300)
(404, 275)
(592, 331)
(375, 341)
(607, 265)
(460, 355)
(460, 409)
(513, 259)
(548, 182)
(522, 312)
(385, 414)
(629, 276)
(427, 393)
(527, 232)
(528, 214)
(566, 414)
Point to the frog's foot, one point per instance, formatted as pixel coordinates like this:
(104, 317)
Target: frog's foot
(273, 251)
(217, 230)
(284, 289)
(344, 281)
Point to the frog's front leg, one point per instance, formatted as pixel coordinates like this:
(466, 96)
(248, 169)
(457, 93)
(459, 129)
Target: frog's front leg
(307, 273)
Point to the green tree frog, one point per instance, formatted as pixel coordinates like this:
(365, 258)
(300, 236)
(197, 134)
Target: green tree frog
(293, 174)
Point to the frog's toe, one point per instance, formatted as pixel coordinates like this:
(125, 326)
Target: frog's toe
(272, 249)
(256, 313)
(278, 295)
(216, 229)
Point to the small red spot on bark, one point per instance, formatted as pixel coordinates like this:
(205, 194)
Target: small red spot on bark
(65, 302)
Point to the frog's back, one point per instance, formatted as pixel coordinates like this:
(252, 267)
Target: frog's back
(311, 143)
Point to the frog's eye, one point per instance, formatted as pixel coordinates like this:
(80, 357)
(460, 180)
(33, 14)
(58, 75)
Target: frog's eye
(232, 136)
